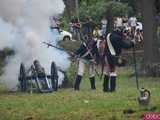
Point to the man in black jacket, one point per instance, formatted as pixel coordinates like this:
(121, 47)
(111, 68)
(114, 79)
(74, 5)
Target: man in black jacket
(115, 42)
(86, 54)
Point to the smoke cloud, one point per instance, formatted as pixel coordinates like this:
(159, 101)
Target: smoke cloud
(24, 26)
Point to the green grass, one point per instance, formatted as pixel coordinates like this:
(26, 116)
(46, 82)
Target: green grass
(86, 104)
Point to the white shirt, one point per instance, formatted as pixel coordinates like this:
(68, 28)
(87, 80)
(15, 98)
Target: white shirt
(118, 22)
(139, 26)
(132, 21)
(104, 22)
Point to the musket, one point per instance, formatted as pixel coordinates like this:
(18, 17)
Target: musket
(97, 73)
(51, 45)
(71, 54)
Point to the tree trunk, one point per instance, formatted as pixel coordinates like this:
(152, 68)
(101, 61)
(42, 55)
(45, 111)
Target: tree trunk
(151, 44)
(110, 19)
(71, 7)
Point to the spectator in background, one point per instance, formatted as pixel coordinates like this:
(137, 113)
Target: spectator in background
(138, 35)
(125, 21)
(118, 22)
(88, 27)
(97, 33)
(114, 22)
(104, 23)
(71, 25)
(76, 28)
(139, 32)
(55, 24)
(132, 23)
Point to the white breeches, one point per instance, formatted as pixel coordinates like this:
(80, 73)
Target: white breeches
(81, 67)
(109, 69)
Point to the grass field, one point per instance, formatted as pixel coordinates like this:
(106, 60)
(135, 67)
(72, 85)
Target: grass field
(86, 104)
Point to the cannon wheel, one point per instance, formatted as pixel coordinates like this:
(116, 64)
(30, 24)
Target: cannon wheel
(54, 76)
(22, 78)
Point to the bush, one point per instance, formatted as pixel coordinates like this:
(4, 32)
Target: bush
(70, 74)
(3, 54)
(69, 46)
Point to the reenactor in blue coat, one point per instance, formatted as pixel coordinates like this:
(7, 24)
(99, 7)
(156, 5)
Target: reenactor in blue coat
(86, 54)
(114, 43)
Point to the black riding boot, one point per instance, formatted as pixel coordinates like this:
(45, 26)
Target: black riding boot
(92, 81)
(113, 83)
(77, 82)
(56, 85)
(106, 83)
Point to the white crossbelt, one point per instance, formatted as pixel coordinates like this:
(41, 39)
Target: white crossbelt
(111, 48)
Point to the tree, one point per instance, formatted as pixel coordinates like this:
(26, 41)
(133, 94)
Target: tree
(98, 8)
(114, 9)
(151, 43)
(70, 7)
(131, 3)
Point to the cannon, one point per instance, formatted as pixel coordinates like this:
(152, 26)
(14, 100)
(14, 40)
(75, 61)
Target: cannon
(35, 78)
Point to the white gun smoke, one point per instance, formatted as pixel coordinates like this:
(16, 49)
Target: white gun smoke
(24, 25)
